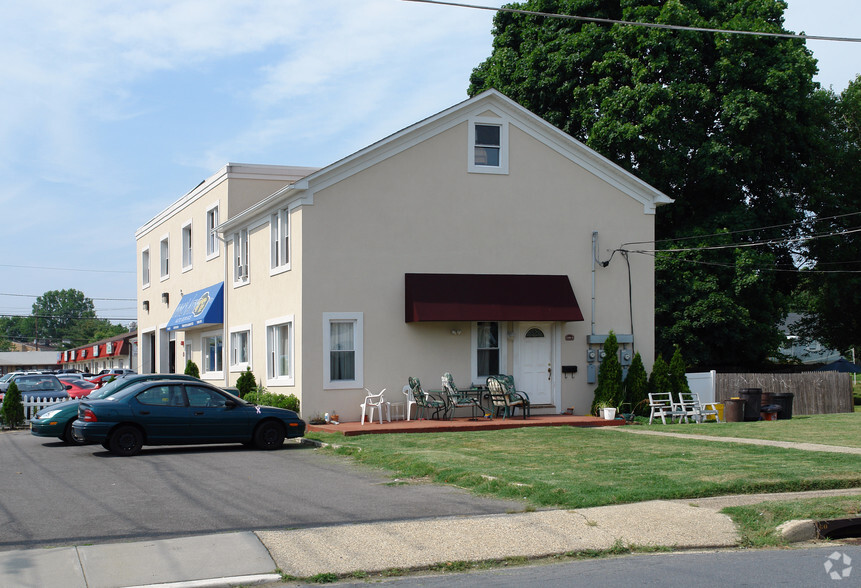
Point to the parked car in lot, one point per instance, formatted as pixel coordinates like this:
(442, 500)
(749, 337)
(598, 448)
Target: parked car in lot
(79, 386)
(181, 413)
(6, 378)
(39, 386)
(116, 371)
(56, 420)
(102, 379)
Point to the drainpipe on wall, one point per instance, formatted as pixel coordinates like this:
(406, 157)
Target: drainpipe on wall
(594, 262)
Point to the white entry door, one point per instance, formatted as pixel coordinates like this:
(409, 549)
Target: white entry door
(533, 372)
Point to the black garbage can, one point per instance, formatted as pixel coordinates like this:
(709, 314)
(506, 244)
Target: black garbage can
(733, 410)
(784, 399)
(753, 401)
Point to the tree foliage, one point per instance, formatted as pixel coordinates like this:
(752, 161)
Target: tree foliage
(726, 125)
(246, 383)
(832, 289)
(660, 380)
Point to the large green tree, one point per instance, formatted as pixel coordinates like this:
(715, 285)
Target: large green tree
(725, 124)
(832, 287)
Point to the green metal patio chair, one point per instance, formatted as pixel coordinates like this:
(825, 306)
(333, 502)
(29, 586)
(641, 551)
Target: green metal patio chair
(505, 398)
(458, 398)
(424, 401)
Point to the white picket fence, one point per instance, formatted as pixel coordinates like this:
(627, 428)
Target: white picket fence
(34, 405)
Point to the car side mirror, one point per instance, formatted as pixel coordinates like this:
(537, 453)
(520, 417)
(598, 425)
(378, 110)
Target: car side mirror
(68, 386)
(229, 403)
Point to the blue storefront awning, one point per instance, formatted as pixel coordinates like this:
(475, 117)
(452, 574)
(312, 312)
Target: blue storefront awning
(199, 308)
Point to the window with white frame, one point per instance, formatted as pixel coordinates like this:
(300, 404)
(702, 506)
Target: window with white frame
(488, 355)
(145, 268)
(279, 231)
(164, 247)
(212, 354)
(240, 348)
(488, 146)
(240, 257)
(186, 246)
(279, 351)
(211, 236)
(343, 354)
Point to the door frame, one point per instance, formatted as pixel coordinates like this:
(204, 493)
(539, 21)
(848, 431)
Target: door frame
(555, 338)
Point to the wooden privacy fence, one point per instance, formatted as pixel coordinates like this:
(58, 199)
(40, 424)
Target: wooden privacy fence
(815, 392)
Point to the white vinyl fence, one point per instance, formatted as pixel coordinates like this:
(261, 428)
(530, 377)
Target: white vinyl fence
(34, 405)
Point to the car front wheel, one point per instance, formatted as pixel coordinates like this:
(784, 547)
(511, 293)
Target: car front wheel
(125, 441)
(269, 435)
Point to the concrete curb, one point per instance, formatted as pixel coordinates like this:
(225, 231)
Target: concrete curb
(798, 531)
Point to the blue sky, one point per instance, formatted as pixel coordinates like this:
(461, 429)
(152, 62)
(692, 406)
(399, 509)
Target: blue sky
(112, 110)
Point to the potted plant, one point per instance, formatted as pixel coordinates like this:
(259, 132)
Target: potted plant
(605, 410)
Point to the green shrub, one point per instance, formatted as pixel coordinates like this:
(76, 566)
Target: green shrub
(13, 407)
(246, 383)
(659, 379)
(678, 379)
(191, 369)
(262, 397)
(609, 390)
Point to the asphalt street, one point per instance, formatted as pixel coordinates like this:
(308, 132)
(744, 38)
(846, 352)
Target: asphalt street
(53, 494)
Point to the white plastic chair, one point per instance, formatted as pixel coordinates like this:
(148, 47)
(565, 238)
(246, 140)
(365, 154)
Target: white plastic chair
(661, 404)
(690, 402)
(411, 401)
(374, 401)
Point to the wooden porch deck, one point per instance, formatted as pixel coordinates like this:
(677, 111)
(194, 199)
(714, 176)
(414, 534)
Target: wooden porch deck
(463, 424)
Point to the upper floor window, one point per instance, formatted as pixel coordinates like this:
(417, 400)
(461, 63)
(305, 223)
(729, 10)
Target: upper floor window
(240, 257)
(164, 247)
(145, 267)
(488, 144)
(211, 236)
(186, 246)
(279, 231)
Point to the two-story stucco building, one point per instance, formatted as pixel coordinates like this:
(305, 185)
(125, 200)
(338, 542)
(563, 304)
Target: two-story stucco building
(470, 242)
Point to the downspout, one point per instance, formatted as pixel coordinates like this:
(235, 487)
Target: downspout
(225, 338)
(594, 261)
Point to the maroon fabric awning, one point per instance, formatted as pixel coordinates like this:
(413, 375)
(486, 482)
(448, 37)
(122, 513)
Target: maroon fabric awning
(489, 297)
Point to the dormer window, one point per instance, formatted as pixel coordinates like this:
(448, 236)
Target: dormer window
(488, 146)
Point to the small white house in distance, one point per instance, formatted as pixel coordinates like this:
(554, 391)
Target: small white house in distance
(470, 242)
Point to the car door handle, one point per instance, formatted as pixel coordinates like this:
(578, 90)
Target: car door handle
(144, 412)
(198, 413)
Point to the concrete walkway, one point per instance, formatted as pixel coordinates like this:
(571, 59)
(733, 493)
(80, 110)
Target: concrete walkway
(248, 558)
(783, 444)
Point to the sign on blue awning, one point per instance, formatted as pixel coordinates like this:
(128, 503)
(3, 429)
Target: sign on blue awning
(199, 308)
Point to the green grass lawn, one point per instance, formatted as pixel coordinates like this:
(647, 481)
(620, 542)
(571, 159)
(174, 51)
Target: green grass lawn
(827, 429)
(567, 467)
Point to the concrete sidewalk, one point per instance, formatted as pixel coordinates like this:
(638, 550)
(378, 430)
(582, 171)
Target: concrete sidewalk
(248, 558)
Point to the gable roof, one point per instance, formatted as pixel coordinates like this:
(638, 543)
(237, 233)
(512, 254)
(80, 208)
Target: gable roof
(490, 101)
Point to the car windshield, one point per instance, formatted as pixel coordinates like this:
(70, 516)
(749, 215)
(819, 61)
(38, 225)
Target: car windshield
(5, 377)
(107, 389)
(28, 383)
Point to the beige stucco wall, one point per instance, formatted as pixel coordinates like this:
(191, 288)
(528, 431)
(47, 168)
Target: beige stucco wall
(233, 189)
(420, 211)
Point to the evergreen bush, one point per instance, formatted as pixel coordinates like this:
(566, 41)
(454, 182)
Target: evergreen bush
(191, 369)
(678, 379)
(609, 390)
(637, 387)
(13, 407)
(659, 379)
(246, 383)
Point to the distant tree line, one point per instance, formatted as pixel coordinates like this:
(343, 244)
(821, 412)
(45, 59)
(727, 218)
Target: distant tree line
(61, 319)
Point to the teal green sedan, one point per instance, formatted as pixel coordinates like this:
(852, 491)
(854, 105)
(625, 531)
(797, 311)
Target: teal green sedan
(56, 420)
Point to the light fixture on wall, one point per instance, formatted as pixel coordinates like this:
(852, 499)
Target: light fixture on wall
(456, 332)
(146, 305)
(165, 297)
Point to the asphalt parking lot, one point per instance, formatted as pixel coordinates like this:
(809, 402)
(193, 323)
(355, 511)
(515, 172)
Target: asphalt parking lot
(54, 494)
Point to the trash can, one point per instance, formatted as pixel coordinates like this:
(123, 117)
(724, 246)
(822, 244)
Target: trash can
(784, 399)
(769, 412)
(753, 401)
(733, 410)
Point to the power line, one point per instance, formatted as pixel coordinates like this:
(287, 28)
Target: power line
(40, 295)
(641, 24)
(67, 269)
